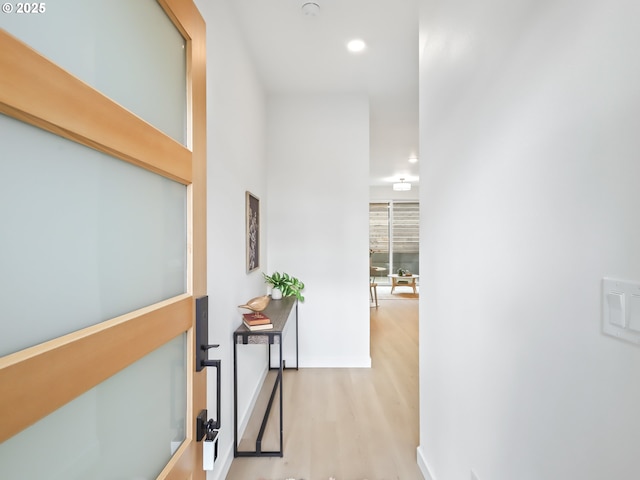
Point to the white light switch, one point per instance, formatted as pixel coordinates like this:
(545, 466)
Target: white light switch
(615, 304)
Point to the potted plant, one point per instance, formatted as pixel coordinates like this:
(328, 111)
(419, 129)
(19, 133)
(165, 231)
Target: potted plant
(284, 285)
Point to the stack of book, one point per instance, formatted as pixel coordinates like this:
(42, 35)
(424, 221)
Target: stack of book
(257, 321)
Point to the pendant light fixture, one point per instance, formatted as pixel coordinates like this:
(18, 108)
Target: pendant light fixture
(402, 186)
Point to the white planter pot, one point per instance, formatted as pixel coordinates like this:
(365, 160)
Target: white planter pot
(276, 294)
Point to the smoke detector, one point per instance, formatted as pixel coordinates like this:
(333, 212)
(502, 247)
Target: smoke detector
(311, 9)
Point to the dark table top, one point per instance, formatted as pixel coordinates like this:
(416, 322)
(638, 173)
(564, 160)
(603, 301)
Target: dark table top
(278, 311)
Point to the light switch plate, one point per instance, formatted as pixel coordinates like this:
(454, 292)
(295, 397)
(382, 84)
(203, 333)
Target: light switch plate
(634, 313)
(621, 309)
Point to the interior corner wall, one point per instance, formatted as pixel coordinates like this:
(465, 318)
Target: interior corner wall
(236, 163)
(318, 216)
(529, 121)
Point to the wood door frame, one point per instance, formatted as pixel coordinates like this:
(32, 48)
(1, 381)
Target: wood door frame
(36, 91)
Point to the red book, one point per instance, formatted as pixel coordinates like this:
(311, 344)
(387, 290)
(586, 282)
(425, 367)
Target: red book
(255, 318)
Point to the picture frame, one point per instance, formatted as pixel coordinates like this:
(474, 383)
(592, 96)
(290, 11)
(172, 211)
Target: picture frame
(252, 214)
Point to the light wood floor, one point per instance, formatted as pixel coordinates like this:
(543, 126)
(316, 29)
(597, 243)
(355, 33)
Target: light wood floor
(352, 424)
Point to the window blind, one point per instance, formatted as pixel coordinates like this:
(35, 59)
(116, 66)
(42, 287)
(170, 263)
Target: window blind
(379, 227)
(406, 227)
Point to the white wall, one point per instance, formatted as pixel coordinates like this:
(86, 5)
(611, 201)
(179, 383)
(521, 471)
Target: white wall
(386, 193)
(313, 225)
(236, 107)
(318, 166)
(530, 116)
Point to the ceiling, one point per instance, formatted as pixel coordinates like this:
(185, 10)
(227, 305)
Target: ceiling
(294, 52)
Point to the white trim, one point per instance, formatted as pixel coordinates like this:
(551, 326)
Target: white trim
(336, 362)
(224, 461)
(223, 464)
(422, 464)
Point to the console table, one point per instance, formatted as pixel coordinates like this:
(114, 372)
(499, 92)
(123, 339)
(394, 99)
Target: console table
(279, 312)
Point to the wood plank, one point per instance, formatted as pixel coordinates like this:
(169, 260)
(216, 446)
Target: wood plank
(38, 380)
(37, 91)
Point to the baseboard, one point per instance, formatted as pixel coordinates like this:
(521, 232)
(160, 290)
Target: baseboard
(223, 464)
(341, 362)
(225, 459)
(422, 464)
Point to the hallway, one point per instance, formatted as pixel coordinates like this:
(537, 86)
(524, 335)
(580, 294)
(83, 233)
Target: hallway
(352, 424)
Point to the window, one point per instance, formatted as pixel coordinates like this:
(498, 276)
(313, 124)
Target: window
(394, 237)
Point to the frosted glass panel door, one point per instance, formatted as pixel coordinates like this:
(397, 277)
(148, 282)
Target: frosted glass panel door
(103, 235)
(128, 50)
(102, 251)
(83, 439)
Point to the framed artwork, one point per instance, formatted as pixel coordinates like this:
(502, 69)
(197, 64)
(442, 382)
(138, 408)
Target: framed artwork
(253, 231)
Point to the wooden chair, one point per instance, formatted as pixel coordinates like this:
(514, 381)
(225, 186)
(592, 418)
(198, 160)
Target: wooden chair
(373, 290)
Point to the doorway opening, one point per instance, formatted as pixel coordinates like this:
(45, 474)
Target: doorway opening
(394, 241)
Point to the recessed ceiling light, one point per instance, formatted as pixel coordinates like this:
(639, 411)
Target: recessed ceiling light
(413, 159)
(357, 45)
(311, 9)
